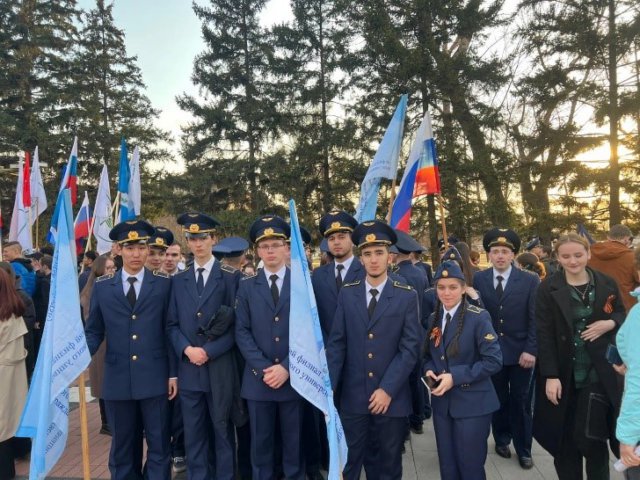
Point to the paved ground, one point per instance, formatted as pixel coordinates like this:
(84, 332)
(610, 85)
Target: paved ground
(419, 462)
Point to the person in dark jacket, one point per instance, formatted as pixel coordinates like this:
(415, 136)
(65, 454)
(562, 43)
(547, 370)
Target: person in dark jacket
(41, 299)
(578, 312)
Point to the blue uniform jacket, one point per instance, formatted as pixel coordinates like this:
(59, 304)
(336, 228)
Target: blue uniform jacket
(326, 292)
(262, 334)
(478, 358)
(364, 355)
(513, 315)
(139, 360)
(414, 277)
(188, 312)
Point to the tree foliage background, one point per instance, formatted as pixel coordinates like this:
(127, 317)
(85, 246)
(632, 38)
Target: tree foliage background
(520, 93)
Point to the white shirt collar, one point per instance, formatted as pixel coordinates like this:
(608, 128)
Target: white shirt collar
(379, 288)
(207, 266)
(281, 273)
(347, 265)
(139, 276)
(505, 275)
(451, 312)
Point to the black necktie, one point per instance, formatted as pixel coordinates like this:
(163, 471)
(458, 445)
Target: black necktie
(200, 281)
(339, 268)
(131, 294)
(275, 294)
(499, 289)
(373, 302)
(447, 320)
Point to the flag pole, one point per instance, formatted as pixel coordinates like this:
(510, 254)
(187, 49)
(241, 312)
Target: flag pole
(392, 199)
(84, 428)
(443, 219)
(116, 209)
(37, 224)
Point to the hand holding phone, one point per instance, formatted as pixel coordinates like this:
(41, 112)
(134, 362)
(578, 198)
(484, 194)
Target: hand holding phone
(612, 355)
(430, 382)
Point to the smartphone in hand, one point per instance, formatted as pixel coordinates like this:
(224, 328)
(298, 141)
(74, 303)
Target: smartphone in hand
(429, 382)
(612, 355)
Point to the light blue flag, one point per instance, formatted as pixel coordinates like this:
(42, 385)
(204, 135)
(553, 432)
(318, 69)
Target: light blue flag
(307, 358)
(384, 164)
(62, 357)
(127, 212)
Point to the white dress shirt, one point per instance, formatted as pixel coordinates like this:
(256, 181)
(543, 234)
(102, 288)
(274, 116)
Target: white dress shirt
(379, 288)
(451, 312)
(207, 269)
(505, 277)
(136, 286)
(347, 265)
(280, 273)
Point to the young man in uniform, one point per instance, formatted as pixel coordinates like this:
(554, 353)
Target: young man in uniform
(509, 295)
(129, 307)
(197, 295)
(373, 348)
(262, 334)
(158, 244)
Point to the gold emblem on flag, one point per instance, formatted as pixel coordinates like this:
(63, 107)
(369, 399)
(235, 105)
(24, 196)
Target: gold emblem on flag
(132, 235)
(371, 237)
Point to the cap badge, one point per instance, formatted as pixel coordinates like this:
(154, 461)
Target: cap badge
(194, 228)
(502, 239)
(368, 224)
(336, 225)
(160, 241)
(267, 219)
(131, 222)
(371, 237)
(268, 231)
(132, 235)
(192, 215)
(445, 273)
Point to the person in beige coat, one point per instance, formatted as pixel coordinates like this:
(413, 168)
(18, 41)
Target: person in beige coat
(13, 370)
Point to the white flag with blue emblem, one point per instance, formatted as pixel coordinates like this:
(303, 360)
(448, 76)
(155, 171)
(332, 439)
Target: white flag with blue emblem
(62, 357)
(308, 370)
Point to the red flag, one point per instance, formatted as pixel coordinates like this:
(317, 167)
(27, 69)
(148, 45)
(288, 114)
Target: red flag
(26, 181)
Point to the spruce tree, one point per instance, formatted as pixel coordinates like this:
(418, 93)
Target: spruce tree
(225, 145)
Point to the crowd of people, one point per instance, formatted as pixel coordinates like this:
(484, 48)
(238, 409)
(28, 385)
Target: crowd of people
(191, 349)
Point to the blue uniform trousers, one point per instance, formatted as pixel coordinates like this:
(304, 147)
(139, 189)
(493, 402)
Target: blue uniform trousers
(262, 417)
(197, 409)
(388, 433)
(514, 420)
(416, 417)
(125, 456)
(177, 427)
(462, 445)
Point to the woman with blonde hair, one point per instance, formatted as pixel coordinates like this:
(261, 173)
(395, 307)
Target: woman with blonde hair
(13, 371)
(578, 312)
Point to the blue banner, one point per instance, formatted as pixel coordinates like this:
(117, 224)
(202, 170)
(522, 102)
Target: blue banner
(308, 370)
(62, 357)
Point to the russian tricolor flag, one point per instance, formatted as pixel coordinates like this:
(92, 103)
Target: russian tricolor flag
(82, 223)
(421, 175)
(70, 176)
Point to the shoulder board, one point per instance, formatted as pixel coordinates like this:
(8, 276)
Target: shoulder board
(250, 276)
(395, 268)
(158, 273)
(351, 284)
(104, 277)
(473, 308)
(402, 285)
(228, 268)
(182, 271)
(429, 289)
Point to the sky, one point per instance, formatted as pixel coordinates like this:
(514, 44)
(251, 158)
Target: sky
(165, 36)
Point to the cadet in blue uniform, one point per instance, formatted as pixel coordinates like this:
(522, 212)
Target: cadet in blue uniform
(129, 307)
(262, 334)
(373, 347)
(336, 227)
(158, 244)
(461, 354)
(416, 278)
(416, 257)
(509, 295)
(197, 295)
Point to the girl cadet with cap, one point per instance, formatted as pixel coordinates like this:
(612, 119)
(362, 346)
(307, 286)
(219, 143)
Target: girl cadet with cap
(461, 354)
